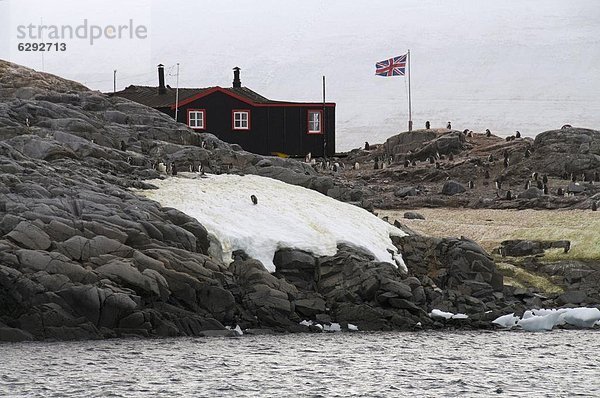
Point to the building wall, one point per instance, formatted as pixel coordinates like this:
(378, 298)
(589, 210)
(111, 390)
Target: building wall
(272, 129)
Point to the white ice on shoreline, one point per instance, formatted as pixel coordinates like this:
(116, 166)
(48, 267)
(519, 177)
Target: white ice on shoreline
(435, 313)
(538, 320)
(286, 216)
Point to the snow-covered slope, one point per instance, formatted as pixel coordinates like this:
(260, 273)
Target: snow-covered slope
(286, 216)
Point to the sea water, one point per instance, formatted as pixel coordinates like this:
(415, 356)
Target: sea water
(561, 363)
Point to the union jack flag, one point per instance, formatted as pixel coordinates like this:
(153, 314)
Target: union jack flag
(391, 67)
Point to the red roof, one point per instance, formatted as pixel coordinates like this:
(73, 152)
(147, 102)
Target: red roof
(149, 96)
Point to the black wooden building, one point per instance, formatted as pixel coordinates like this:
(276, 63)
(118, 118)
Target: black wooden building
(241, 116)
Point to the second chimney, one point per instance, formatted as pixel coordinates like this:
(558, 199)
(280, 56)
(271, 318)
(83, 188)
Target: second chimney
(236, 77)
(161, 79)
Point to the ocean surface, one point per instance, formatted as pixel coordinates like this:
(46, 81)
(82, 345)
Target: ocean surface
(425, 364)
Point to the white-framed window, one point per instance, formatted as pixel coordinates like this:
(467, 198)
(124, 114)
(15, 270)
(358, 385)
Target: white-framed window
(240, 119)
(315, 119)
(196, 118)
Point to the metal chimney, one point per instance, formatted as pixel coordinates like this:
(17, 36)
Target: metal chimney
(161, 79)
(236, 77)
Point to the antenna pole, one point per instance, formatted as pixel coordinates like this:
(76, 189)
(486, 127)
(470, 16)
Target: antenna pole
(115, 81)
(323, 123)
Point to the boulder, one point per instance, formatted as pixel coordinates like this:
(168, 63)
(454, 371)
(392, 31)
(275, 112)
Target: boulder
(413, 215)
(452, 187)
(531, 193)
(30, 236)
(406, 191)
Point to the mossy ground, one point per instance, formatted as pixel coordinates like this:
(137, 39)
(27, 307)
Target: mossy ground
(490, 227)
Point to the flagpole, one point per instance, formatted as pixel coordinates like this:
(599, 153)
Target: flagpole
(409, 99)
(177, 94)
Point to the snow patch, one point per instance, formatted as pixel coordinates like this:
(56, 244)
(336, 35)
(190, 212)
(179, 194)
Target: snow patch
(435, 313)
(286, 216)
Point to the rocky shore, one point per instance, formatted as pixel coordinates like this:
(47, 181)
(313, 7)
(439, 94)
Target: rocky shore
(83, 257)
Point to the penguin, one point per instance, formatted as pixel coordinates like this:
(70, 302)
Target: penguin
(487, 174)
(307, 158)
(560, 192)
(506, 162)
(449, 126)
(451, 157)
(540, 185)
(437, 165)
(173, 169)
(465, 131)
(161, 167)
(376, 166)
(527, 153)
(565, 176)
(545, 179)
(203, 144)
(431, 160)
(367, 146)
(356, 165)
(201, 169)
(427, 125)
(508, 195)
(498, 184)
(527, 185)
(123, 146)
(491, 158)
(470, 133)
(594, 206)
(488, 133)
(413, 163)
(573, 177)
(27, 122)
(336, 167)
(406, 163)
(471, 185)
(254, 199)
(534, 176)
(518, 134)
(545, 188)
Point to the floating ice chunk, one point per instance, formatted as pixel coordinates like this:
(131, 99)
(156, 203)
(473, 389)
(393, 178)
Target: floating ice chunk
(543, 322)
(582, 317)
(352, 327)
(507, 321)
(460, 316)
(334, 327)
(238, 329)
(306, 323)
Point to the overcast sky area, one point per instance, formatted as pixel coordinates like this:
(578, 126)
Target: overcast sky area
(504, 65)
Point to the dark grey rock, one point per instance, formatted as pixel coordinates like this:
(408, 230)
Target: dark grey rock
(406, 191)
(531, 193)
(573, 297)
(30, 236)
(412, 215)
(452, 187)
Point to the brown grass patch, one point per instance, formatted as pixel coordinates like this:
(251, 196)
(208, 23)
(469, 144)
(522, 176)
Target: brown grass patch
(490, 227)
